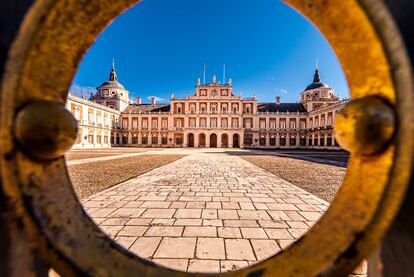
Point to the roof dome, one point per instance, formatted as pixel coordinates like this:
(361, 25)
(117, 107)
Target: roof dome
(113, 80)
(316, 82)
(317, 85)
(112, 84)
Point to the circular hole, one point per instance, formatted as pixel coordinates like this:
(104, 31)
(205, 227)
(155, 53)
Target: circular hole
(221, 226)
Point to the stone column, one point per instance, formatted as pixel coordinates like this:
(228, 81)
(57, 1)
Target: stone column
(196, 141)
(129, 137)
(185, 139)
(219, 142)
(139, 134)
(207, 140)
(149, 138)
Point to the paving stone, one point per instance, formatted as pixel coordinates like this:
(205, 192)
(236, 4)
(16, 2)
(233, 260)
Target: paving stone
(111, 230)
(195, 205)
(278, 234)
(273, 224)
(145, 246)
(127, 212)
(163, 222)
(230, 205)
(188, 222)
(210, 248)
(178, 205)
(188, 213)
(125, 242)
(164, 231)
(200, 232)
(115, 221)
(265, 248)
(232, 265)
(282, 207)
(177, 264)
(170, 214)
(297, 224)
(241, 223)
(209, 214)
(133, 231)
(176, 248)
(253, 233)
(285, 242)
(205, 266)
(247, 214)
(155, 204)
(227, 214)
(212, 222)
(158, 213)
(229, 232)
(311, 216)
(213, 205)
(239, 249)
(139, 221)
(297, 232)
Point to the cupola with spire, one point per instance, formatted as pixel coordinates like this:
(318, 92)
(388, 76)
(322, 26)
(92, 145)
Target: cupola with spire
(317, 83)
(112, 93)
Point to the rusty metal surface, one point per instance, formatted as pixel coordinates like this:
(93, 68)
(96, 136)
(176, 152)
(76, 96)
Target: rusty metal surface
(365, 126)
(53, 37)
(45, 130)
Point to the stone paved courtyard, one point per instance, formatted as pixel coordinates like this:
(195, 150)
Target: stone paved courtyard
(207, 212)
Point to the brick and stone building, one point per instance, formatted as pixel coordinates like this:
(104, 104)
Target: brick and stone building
(214, 116)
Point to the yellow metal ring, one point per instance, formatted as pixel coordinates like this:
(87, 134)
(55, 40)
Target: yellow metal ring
(51, 42)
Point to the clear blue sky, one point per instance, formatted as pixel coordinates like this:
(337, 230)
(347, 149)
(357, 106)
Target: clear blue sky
(160, 47)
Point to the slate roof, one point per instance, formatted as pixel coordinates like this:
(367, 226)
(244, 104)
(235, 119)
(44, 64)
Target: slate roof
(112, 84)
(316, 85)
(143, 108)
(282, 107)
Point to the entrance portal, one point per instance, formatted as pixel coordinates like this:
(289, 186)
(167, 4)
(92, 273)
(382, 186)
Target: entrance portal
(190, 140)
(236, 141)
(202, 140)
(213, 140)
(224, 140)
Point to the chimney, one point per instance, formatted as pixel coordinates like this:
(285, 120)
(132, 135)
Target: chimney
(277, 98)
(153, 100)
(138, 100)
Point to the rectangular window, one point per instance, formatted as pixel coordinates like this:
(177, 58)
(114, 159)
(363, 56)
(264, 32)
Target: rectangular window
(164, 140)
(144, 140)
(134, 140)
(154, 140)
(273, 141)
(124, 140)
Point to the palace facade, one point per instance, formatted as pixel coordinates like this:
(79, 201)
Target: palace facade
(214, 116)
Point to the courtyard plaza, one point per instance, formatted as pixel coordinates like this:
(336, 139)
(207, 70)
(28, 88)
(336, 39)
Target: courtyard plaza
(210, 211)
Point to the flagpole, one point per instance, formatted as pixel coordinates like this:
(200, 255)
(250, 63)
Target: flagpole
(224, 74)
(204, 74)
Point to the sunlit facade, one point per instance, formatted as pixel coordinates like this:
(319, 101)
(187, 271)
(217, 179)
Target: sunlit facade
(213, 116)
